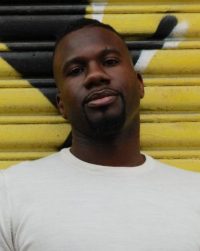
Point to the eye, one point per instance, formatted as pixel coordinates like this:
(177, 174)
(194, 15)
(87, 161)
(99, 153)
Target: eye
(75, 71)
(111, 62)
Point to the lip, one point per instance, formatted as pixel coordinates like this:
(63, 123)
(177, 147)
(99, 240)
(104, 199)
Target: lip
(101, 98)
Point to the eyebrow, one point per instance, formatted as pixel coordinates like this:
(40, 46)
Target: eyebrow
(80, 59)
(110, 50)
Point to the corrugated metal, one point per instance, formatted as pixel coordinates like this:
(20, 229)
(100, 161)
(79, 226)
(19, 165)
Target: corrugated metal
(163, 38)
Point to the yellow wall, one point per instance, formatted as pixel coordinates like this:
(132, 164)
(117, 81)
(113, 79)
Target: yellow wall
(163, 37)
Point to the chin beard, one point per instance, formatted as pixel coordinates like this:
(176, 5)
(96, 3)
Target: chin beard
(108, 126)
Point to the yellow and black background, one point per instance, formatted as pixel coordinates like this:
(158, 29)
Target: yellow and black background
(164, 39)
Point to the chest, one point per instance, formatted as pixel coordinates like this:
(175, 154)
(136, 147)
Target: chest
(102, 219)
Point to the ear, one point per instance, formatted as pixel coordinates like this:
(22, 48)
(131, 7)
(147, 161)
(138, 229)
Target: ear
(141, 85)
(60, 105)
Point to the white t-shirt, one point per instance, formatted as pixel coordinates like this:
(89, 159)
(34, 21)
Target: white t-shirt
(60, 203)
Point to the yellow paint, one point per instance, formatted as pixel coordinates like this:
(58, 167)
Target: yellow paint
(174, 154)
(33, 137)
(3, 47)
(168, 98)
(178, 80)
(147, 1)
(7, 71)
(193, 19)
(121, 7)
(173, 62)
(15, 83)
(145, 117)
(154, 136)
(25, 101)
(187, 164)
(169, 117)
(140, 25)
(124, 23)
(35, 119)
(189, 44)
(186, 159)
(23, 155)
(170, 136)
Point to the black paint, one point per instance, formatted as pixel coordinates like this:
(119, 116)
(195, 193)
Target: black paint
(33, 2)
(165, 27)
(163, 30)
(33, 27)
(43, 9)
(32, 37)
(30, 64)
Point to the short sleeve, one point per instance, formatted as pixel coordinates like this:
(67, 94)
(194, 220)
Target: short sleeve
(5, 222)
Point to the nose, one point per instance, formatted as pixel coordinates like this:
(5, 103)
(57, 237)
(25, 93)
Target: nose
(96, 75)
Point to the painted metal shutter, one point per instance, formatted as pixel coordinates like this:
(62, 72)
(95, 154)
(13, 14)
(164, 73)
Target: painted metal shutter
(163, 37)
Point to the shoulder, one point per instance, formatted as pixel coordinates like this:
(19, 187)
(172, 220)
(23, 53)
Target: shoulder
(30, 171)
(163, 167)
(173, 175)
(45, 162)
(175, 182)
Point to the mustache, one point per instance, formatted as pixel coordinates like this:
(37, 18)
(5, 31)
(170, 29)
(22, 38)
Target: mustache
(100, 93)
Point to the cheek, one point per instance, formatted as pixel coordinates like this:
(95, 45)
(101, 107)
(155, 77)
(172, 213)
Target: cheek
(69, 91)
(127, 83)
(131, 91)
(72, 99)
(124, 74)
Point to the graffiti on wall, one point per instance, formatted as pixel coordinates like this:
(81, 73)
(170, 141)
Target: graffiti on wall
(27, 41)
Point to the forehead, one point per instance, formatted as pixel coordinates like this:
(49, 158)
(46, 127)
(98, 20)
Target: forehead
(89, 38)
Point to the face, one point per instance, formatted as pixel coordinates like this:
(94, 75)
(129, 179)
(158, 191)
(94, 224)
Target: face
(99, 91)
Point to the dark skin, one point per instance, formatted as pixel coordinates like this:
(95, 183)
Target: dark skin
(99, 92)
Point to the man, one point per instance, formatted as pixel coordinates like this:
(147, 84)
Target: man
(101, 193)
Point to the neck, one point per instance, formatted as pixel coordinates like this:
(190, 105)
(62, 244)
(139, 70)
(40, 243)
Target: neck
(122, 149)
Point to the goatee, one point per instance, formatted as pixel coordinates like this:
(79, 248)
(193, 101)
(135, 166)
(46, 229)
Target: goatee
(109, 125)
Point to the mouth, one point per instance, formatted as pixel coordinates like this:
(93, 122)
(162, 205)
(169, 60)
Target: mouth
(101, 98)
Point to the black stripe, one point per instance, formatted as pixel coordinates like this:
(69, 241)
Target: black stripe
(30, 46)
(30, 64)
(33, 28)
(32, 2)
(165, 27)
(44, 9)
(49, 46)
(141, 45)
(42, 82)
